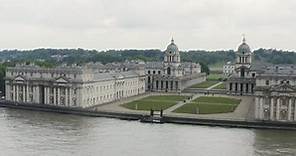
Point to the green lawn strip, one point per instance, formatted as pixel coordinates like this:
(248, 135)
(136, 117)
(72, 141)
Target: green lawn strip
(154, 102)
(220, 86)
(205, 84)
(214, 77)
(211, 99)
(206, 108)
(209, 105)
(166, 97)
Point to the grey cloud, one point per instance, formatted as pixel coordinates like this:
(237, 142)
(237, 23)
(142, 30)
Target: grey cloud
(104, 24)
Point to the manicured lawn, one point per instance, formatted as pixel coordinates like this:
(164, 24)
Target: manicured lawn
(154, 102)
(205, 84)
(209, 105)
(214, 77)
(220, 86)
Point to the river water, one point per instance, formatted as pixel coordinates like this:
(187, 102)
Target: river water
(39, 133)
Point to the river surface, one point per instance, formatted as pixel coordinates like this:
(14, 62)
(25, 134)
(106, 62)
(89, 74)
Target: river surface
(32, 133)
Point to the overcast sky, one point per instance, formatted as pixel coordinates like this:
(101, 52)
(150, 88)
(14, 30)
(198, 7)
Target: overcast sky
(122, 24)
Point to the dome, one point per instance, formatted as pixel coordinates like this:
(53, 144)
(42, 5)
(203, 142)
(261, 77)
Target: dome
(172, 48)
(244, 47)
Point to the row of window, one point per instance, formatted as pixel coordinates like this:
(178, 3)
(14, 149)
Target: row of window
(267, 82)
(41, 74)
(91, 89)
(154, 72)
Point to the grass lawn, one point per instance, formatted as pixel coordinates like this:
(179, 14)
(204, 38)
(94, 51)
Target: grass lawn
(205, 84)
(154, 102)
(209, 105)
(220, 86)
(214, 77)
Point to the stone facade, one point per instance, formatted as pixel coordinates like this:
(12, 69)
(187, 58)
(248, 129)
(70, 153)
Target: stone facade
(79, 86)
(242, 80)
(275, 93)
(171, 75)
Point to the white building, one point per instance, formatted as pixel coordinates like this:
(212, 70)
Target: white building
(275, 93)
(76, 86)
(242, 80)
(172, 75)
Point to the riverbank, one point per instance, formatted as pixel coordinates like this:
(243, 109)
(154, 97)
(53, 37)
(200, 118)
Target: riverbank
(166, 118)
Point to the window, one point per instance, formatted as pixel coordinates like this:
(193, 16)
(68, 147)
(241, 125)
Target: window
(159, 72)
(267, 82)
(253, 74)
(148, 71)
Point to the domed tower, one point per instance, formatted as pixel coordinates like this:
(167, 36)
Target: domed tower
(172, 55)
(243, 60)
(172, 60)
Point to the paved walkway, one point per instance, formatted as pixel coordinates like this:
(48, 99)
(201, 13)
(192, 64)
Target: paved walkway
(180, 104)
(213, 86)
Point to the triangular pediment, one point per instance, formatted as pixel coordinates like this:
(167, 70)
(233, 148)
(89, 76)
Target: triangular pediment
(61, 80)
(284, 87)
(19, 78)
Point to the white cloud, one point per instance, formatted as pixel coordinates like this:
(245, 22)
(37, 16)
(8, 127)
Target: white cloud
(118, 24)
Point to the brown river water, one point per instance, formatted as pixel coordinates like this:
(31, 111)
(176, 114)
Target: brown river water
(32, 133)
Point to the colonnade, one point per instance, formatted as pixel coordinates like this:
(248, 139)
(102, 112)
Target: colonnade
(242, 88)
(53, 95)
(165, 85)
(277, 108)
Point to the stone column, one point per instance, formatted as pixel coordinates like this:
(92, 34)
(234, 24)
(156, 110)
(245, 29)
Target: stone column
(37, 97)
(290, 109)
(261, 108)
(271, 108)
(70, 96)
(24, 93)
(294, 109)
(14, 93)
(278, 109)
(17, 93)
(59, 96)
(7, 91)
(54, 96)
(169, 85)
(28, 93)
(256, 107)
(66, 96)
(45, 95)
(238, 88)
(48, 95)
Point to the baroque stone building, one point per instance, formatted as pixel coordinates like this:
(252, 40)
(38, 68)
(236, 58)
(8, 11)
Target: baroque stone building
(272, 86)
(275, 93)
(76, 86)
(171, 75)
(242, 80)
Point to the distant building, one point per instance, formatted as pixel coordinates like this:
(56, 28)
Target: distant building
(76, 86)
(171, 75)
(242, 80)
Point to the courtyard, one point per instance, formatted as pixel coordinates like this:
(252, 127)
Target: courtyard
(159, 102)
(209, 105)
